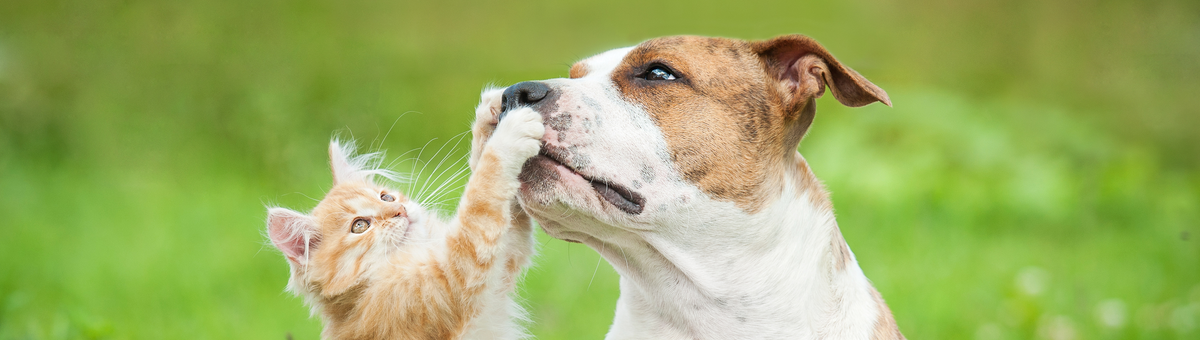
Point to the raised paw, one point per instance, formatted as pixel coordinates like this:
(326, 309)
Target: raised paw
(487, 115)
(518, 136)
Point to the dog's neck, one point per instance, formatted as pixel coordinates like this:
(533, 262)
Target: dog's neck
(784, 271)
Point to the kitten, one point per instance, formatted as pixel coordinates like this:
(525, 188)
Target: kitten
(376, 265)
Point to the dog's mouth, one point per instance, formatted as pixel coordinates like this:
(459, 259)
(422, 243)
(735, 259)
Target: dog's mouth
(619, 196)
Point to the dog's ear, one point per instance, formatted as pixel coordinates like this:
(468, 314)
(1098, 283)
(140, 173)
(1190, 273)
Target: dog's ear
(803, 69)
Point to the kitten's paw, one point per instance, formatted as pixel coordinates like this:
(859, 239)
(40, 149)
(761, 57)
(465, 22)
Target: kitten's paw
(518, 136)
(487, 115)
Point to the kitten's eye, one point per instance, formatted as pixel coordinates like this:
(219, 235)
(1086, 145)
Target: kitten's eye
(386, 197)
(360, 225)
(658, 73)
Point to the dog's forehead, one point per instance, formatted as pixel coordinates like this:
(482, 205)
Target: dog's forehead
(703, 56)
(600, 65)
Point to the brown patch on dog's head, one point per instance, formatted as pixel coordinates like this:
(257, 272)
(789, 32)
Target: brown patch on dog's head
(578, 70)
(714, 116)
(736, 110)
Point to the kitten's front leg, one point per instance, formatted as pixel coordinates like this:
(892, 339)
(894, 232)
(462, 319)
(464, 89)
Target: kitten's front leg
(519, 240)
(486, 211)
(487, 116)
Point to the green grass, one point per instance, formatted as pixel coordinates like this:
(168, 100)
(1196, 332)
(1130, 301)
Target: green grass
(1040, 164)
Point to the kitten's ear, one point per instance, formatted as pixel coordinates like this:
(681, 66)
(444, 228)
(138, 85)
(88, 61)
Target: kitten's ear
(339, 161)
(292, 232)
(348, 166)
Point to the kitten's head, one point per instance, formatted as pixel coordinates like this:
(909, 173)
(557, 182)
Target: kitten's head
(356, 228)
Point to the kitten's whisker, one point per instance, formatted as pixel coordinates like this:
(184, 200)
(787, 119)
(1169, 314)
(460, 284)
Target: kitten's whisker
(438, 178)
(389, 131)
(302, 194)
(438, 191)
(417, 178)
(428, 182)
(441, 184)
(460, 138)
(400, 159)
(442, 192)
(445, 201)
(444, 198)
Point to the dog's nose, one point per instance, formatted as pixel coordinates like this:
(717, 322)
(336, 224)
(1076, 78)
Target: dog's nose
(522, 94)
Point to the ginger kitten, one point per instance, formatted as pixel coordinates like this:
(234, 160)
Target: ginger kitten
(375, 265)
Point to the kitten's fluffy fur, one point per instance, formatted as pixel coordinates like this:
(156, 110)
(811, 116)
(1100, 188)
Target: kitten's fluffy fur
(410, 275)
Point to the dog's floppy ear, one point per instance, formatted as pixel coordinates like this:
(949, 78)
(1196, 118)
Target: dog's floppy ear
(803, 69)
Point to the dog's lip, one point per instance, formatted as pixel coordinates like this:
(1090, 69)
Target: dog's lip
(619, 196)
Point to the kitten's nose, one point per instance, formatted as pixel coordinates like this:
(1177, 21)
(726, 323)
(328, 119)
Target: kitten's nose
(401, 213)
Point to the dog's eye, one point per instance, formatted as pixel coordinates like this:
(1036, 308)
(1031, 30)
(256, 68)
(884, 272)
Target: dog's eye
(658, 73)
(360, 225)
(386, 197)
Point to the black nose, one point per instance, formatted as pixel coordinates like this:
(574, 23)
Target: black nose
(522, 94)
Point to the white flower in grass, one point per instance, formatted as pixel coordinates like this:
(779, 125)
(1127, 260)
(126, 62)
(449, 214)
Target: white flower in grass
(1183, 318)
(1111, 313)
(1058, 327)
(989, 331)
(1033, 280)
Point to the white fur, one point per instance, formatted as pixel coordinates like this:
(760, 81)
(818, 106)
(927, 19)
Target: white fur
(517, 139)
(693, 267)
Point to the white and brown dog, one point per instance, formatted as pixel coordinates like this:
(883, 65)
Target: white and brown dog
(676, 160)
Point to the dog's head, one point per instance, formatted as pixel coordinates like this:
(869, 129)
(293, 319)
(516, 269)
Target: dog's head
(641, 137)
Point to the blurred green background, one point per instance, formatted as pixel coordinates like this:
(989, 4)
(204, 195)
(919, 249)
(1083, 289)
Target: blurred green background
(1037, 177)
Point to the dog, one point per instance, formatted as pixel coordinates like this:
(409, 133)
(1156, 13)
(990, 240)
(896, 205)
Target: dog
(677, 161)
